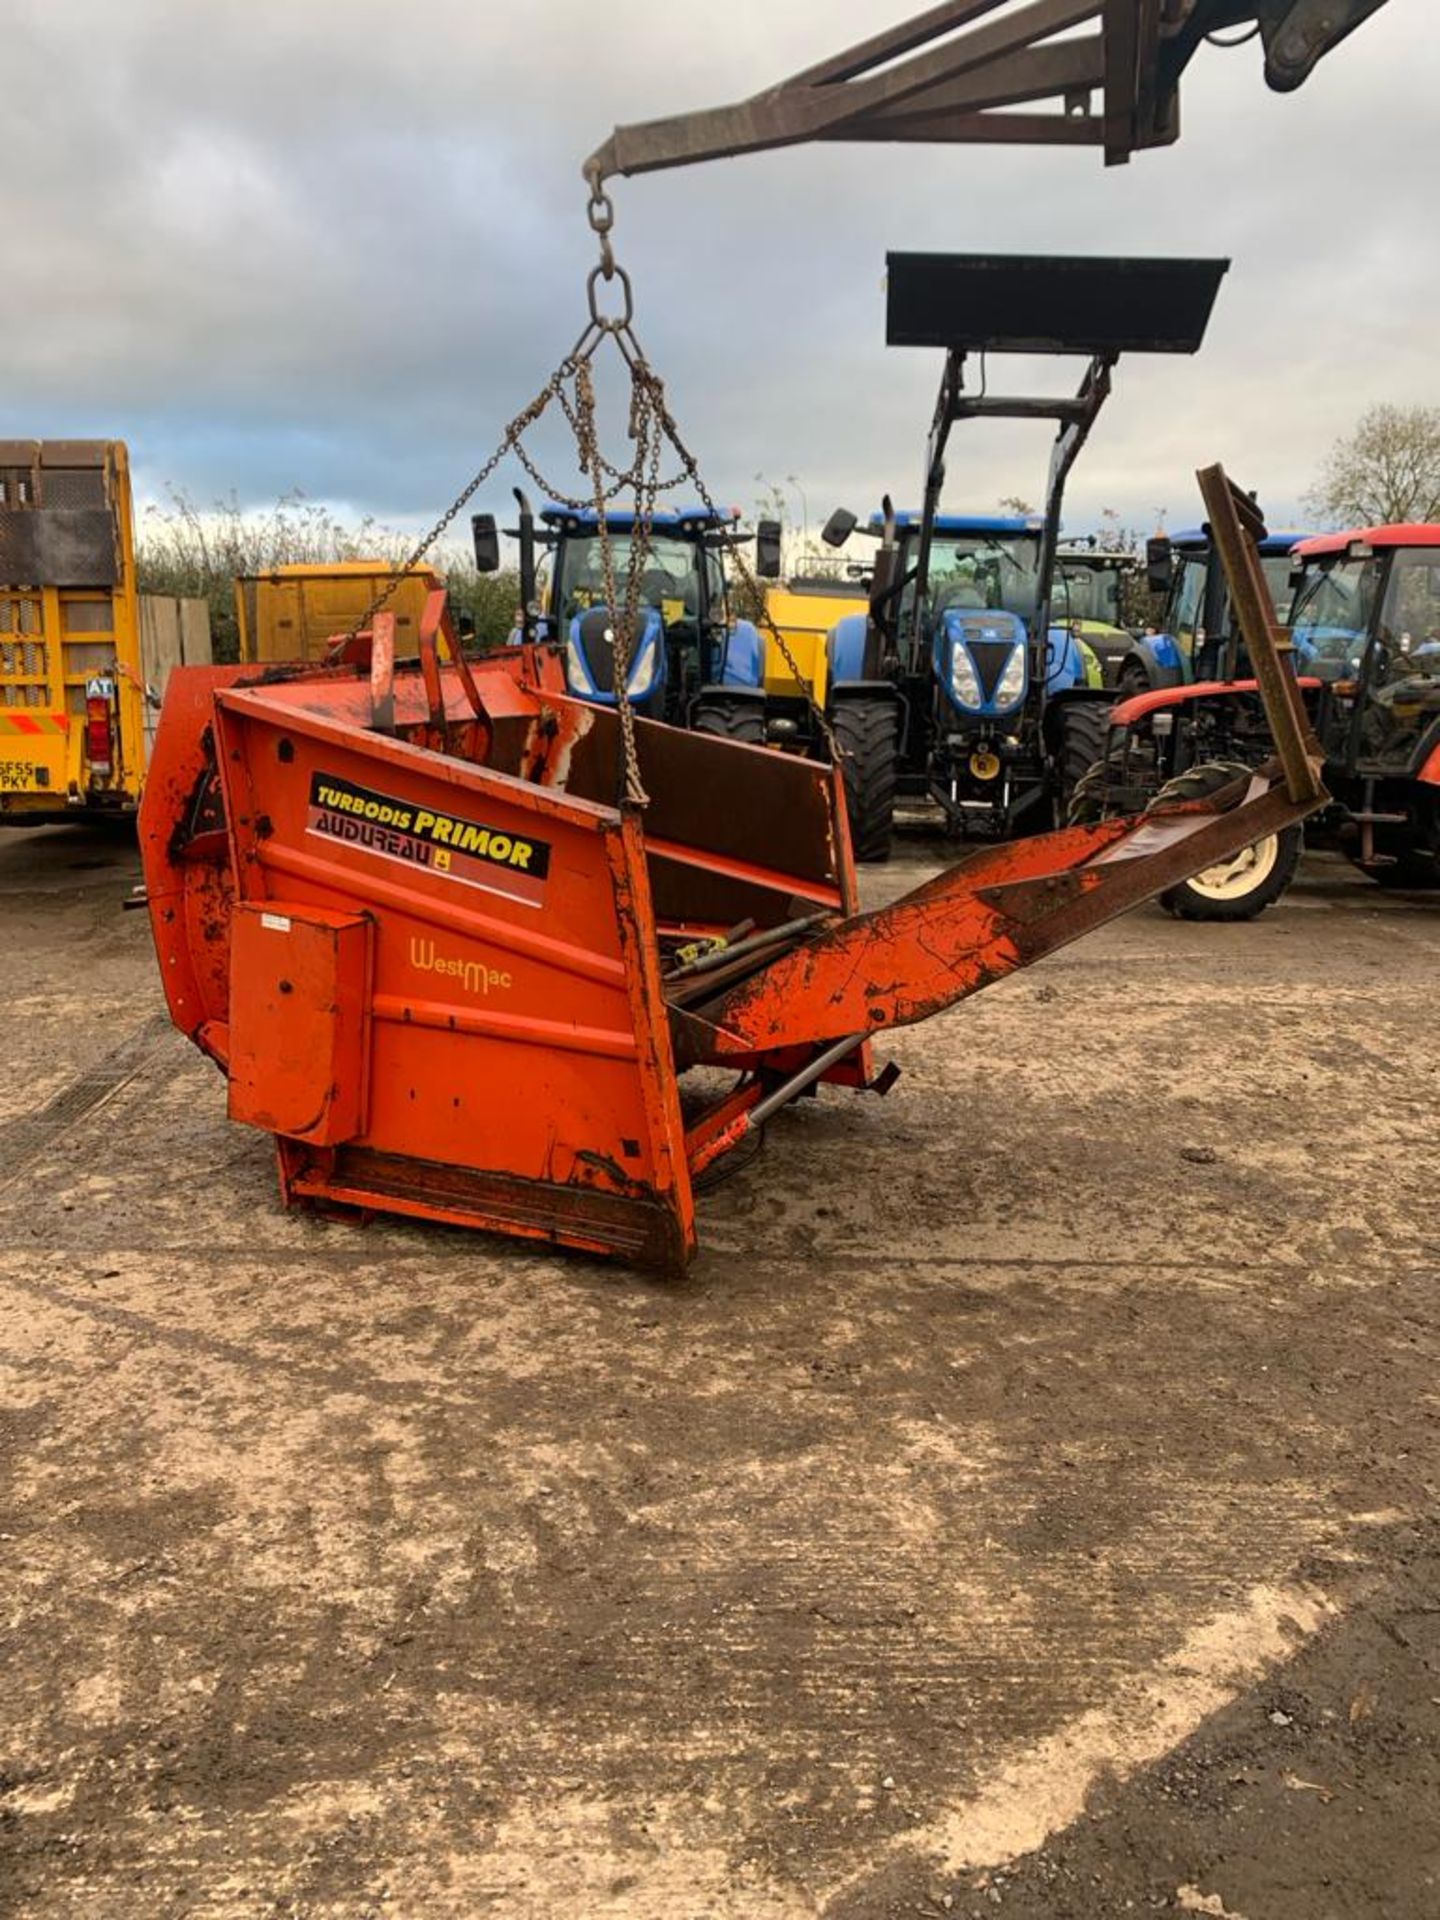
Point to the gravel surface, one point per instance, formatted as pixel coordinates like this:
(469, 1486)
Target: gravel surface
(1025, 1505)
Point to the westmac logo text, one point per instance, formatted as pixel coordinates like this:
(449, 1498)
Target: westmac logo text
(473, 975)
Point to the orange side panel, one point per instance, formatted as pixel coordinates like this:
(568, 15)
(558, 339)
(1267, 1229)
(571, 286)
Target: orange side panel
(516, 1047)
(300, 1021)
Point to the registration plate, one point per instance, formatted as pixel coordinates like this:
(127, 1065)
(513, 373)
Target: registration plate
(18, 776)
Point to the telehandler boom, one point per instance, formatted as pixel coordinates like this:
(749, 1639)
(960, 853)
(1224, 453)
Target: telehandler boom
(1082, 72)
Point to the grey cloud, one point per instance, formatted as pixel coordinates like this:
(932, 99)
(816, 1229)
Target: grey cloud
(337, 245)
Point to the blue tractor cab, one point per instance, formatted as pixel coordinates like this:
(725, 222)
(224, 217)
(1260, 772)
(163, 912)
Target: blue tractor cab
(960, 686)
(1198, 639)
(685, 640)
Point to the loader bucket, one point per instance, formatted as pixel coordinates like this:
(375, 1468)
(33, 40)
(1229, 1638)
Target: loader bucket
(1059, 303)
(454, 979)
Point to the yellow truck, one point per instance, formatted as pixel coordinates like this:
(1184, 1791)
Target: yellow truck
(292, 612)
(83, 658)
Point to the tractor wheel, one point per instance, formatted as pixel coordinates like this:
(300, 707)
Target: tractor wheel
(1084, 732)
(1240, 888)
(1134, 678)
(1086, 806)
(742, 720)
(867, 733)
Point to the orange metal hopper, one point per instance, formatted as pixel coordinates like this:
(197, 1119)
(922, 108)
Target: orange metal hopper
(400, 909)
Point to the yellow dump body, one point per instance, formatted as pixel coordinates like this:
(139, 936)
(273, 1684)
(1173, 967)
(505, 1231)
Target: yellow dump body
(293, 612)
(805, 617)
(72, 707)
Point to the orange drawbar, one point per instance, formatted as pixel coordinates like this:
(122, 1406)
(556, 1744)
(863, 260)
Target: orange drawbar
(455, 980)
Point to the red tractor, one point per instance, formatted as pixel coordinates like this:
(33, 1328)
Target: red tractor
(1364, 632)
(1366, 618)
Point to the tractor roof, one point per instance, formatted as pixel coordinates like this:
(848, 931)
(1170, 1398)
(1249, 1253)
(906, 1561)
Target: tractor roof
(965, 523)
(1197, 540)
(1407, 534)
(688, 519)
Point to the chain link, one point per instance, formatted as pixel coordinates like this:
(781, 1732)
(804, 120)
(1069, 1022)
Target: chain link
(622, 621)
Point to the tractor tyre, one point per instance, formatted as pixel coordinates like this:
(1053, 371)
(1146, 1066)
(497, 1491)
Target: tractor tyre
(1134, 678)
(1084, 732)
(1086, 805)
(1240, 888)
(867, 734)
(742, 720)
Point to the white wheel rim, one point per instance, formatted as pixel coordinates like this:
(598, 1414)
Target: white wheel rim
(1234, 879)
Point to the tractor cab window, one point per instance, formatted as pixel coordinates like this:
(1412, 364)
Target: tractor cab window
(1277, 569)
(670, 579)
(1333, 605)
(1187, 601)
(1332, 614)
(1410, 617)
(983, 572)
(1401, 699)
(716, 596)
(1085, 592)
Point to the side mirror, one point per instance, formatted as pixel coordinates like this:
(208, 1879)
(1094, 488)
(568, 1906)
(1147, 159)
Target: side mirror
(768, 557)
(486, 535)
(1159, 564)
(838, 528)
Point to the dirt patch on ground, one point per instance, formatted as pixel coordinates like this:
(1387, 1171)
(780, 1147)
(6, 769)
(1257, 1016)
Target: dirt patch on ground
(952, 1532)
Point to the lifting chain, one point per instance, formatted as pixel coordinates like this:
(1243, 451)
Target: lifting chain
(601, 213)
(651, 426)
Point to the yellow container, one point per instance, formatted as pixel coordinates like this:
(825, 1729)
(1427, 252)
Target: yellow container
(292, 613)
(805, 618)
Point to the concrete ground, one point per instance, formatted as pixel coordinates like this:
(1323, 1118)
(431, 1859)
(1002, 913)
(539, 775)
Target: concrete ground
(1027, 1503)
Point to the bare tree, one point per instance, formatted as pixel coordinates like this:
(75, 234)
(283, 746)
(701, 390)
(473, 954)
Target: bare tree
(1387, 471)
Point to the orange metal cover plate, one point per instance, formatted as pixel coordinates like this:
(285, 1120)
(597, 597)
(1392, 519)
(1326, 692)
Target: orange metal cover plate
(299, 1021)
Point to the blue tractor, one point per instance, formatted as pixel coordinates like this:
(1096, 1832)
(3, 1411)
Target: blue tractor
(959, 685)
(956, 717)
(1195, 640)
(692, 662)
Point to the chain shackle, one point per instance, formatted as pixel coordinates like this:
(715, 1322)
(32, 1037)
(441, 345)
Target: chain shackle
(610, 323)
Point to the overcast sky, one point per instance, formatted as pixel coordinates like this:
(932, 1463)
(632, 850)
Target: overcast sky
(335, 244)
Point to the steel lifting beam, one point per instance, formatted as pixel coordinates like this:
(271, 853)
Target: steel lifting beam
(959, 71)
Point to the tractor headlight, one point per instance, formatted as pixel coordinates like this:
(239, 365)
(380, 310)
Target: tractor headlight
(576, 671)
(964, 680)
(1011, 689)
(644, 671)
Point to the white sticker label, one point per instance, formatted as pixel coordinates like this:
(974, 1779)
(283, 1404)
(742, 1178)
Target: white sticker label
(275, 922)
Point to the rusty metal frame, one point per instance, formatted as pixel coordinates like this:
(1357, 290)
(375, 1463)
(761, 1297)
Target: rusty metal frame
(1236, 528)
(951, 75)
